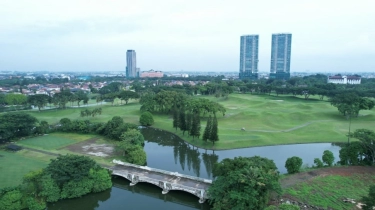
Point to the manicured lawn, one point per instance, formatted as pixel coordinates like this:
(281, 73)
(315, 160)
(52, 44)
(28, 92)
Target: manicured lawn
(54, 140)
(14, 165)
(329, 191)
(268, 120)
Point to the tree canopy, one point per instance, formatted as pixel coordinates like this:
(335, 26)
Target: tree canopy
(243, 183)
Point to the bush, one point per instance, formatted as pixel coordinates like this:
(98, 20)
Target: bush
(370, 199)
(328, 157)
(293, 164)
(146, 119)
(318, 163)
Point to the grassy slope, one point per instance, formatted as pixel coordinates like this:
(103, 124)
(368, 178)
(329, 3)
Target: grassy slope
(268, 120)
(14, 165)
(329, 191)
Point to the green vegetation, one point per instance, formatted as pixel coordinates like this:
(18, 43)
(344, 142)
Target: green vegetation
(68, 176)
(328, 191)
(328, 158)
(369, 200)
(146, 119)
(260, 115)
(243, 183)
(293, 164)
(14, 165)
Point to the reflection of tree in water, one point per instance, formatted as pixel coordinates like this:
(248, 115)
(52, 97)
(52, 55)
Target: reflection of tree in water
(209, 161)
(183, 152)
(89, 202)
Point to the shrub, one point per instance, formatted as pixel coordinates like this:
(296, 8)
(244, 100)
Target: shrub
(370, 199)
(328, 157)
(146, 119)
(293, 164)
(318, 163)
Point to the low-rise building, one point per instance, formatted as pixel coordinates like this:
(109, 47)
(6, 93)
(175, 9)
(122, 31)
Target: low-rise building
(151, 73)
(353, 80)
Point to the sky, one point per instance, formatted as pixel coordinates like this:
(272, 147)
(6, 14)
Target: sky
(181, 35)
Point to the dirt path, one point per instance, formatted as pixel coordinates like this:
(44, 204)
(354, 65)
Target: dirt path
(292, 180)
(40, 151)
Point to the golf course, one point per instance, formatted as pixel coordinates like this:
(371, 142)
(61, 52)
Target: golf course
(250, 120)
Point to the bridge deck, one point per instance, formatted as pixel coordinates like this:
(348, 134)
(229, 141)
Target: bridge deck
(175, 179)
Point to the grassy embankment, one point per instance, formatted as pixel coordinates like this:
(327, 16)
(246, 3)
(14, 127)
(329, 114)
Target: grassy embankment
(268, 120)
(14, 165)
(329, 191)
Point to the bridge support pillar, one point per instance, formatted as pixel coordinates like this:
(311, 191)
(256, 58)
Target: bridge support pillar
(202, 200)
(134, 179)
(165, 186)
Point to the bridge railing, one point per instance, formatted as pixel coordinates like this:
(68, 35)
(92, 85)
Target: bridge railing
(208, 181)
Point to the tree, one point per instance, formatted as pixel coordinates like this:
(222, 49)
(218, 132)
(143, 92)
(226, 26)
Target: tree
(243, 183)
(293, 164)
(133, 137)
(126, 95)
(182, 121)
(146, 119)
(175, 118)
(196, 126)
(70, 168)
(10, 198)
(367, 140)
(318, 163)
(214, 131)
(16, 124)
(15, 99)
(207, 130)
(39, 100)
(328, 158)
(188, 122)
(369, 200)
(81, 96)
(350, 103)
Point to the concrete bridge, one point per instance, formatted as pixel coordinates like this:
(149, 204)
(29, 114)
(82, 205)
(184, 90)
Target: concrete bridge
(166, 180)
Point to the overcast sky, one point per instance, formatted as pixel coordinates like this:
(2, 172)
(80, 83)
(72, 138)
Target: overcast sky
(191, 35)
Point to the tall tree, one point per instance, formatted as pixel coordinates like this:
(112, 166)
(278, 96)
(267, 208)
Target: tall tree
(175, 118)
(214, 136)
(188, 122)
(182, 121)
(196, 126)
(39, 100)
(207, 130)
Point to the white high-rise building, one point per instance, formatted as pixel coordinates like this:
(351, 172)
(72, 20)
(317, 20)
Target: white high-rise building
(249, 57)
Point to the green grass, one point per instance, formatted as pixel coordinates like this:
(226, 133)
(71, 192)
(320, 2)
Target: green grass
(329, 191)
(268, 120)
(54, 141)
(14, 165)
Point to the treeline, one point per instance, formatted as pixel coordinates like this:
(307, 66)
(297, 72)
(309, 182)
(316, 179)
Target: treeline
(68, 176)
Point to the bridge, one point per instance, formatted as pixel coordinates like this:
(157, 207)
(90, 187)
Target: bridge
(166, 180)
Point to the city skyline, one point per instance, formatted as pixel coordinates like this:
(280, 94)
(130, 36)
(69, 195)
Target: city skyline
(93, 35)
(249, 48)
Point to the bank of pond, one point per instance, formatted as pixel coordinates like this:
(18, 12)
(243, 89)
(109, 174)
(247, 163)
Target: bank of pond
(167, 151)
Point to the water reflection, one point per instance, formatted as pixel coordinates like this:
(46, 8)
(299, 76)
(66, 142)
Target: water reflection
(191, 160)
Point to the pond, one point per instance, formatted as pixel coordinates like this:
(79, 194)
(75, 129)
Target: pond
(168, 152)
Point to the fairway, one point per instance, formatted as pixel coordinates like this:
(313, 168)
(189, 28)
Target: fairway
(53, 141)
(268, 120)
(14, 166)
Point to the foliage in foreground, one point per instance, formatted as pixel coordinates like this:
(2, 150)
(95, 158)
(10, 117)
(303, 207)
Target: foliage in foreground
(146, 119)
(369, 200)
(68, 176)
(243, 183)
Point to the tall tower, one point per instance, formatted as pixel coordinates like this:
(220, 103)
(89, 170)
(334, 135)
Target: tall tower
(249, 57)
(131, 64)
(280, 56)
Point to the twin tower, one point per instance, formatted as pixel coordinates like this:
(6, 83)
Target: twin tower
(280, 56)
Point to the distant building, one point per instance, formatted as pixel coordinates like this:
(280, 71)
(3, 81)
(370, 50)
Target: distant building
(249, 57)
(353, 80)
(151, 73)
(280, 56)
(131, 64)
